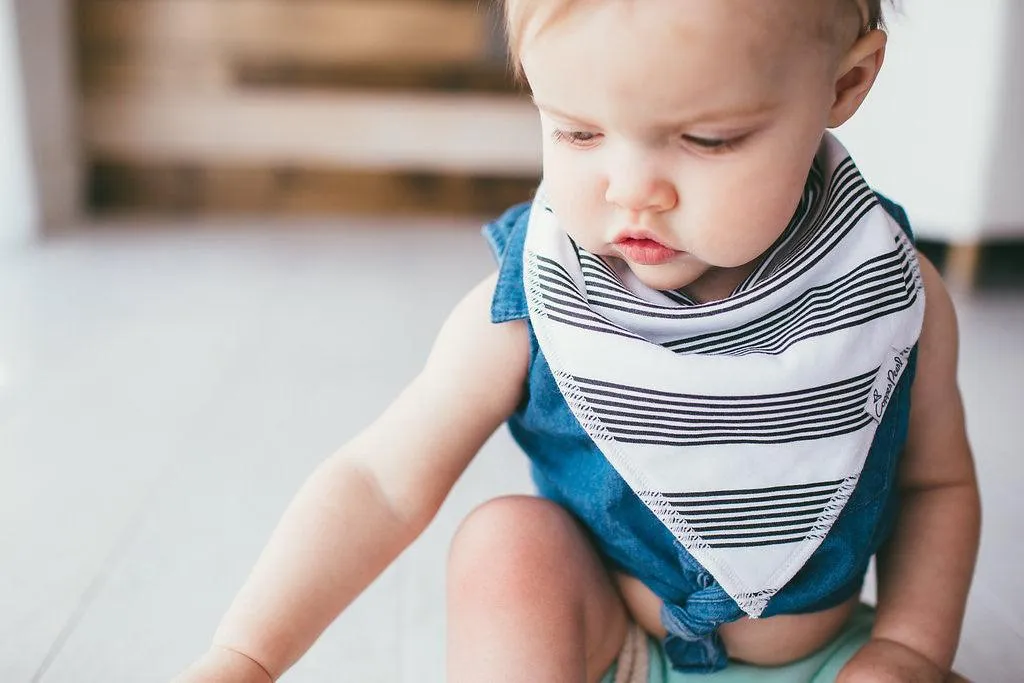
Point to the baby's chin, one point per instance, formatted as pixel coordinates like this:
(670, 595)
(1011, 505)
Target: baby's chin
(700, 282)
(668, 277)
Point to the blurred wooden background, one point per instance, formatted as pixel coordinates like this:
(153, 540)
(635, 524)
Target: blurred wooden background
(301, 106)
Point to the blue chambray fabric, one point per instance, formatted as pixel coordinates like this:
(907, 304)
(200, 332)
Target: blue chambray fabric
(568, 469)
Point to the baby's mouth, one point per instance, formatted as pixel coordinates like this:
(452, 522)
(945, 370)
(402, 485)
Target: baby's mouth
(645, 251)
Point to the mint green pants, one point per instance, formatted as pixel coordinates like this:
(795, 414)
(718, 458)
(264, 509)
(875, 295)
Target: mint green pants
(824, 665)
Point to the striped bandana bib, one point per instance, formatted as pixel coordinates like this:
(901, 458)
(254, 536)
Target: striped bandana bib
(743, 424)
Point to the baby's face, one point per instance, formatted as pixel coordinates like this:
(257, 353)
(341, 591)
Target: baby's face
(692, 123)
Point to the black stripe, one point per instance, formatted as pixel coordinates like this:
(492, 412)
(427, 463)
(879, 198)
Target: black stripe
(679, 297)
(837, 318)
(776, 541)
(726, 440)
(705, 414)
(798, 496)
(823, 499)
(702, 529)
(682, 434)
(876, 305)
(759, 535)
(598, 270)
(598, 297)
(604, 407)
(771, 489)
(676, 415)
(568, 306)
(842, 323)
(577, 315)
(848, 385)
(584, 255)
(694, 521)
(592, 275)
(688, 425)
(598, 265)
(562, 296)
(592, 328)
(555, 271)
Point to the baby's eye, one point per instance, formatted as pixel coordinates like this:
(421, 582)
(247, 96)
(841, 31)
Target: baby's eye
(577, 138)
(711, 144)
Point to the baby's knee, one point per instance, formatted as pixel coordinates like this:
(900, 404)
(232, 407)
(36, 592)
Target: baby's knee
(512, 545)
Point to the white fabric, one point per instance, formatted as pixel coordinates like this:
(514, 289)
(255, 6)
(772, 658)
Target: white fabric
(743, 424)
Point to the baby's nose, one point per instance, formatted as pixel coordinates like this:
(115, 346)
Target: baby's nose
(639, 191)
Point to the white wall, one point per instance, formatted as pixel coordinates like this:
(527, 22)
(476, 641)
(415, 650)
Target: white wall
(45, 38)
(942, 130)
(18, 214)
(1004, 185)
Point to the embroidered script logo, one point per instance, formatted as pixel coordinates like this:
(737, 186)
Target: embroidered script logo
(886, 384)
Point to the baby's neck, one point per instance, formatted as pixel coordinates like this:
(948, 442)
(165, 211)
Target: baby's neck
(719, 283)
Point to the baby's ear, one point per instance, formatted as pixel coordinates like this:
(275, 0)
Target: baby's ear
(856, 74)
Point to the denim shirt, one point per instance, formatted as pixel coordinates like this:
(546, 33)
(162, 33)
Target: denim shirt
(569, 469)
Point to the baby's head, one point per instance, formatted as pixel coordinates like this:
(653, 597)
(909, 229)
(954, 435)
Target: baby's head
(691, 122)
(523, 16)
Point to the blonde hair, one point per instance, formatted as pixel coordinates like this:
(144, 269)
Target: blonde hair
(520, 13)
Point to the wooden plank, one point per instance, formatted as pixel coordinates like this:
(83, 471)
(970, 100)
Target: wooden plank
(106, 73)
(484, 76)
(319, 30)
(211, 190)
(960, 271)
(477, 134)
(127, 72)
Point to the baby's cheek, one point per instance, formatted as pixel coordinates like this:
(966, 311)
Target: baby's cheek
(724, 233)
(759, 219)
(579, 206)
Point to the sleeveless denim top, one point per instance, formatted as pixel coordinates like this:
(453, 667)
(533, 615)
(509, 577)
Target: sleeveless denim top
(568, 469)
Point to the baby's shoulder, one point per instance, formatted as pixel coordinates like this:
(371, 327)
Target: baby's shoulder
(938, 345)
(474, 355)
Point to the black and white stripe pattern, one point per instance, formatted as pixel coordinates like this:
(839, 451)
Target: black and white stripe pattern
(634, 414)
(787, 244)
(749, 518)
(743, 424)
(880, 286)
(566, 304)
(606, 289)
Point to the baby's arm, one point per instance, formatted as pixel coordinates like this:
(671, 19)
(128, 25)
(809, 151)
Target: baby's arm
(372, 498)
(924, 571)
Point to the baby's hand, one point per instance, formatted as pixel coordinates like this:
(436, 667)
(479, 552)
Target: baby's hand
(886, 661)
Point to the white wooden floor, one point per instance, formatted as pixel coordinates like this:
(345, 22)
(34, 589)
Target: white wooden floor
(165, 390)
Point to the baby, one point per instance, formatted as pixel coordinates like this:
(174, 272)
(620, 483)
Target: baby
(733, 375)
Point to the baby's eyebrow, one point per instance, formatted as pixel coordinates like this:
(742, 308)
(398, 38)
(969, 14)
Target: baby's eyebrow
(738, 114)
(735, 113)
(557, 112)
(734, 119)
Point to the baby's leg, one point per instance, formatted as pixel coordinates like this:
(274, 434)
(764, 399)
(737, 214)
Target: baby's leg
(528, 598)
